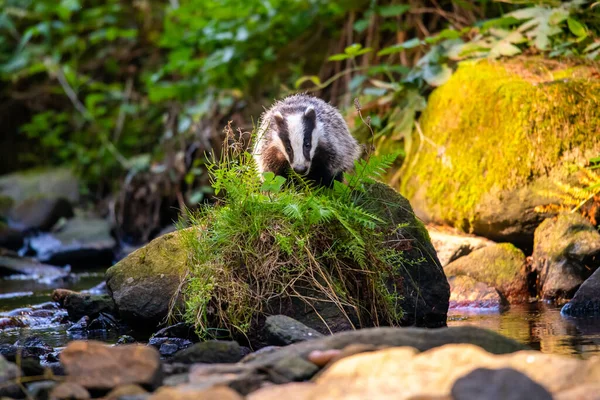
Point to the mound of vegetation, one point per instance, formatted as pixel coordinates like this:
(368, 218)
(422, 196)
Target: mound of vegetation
(355, 252)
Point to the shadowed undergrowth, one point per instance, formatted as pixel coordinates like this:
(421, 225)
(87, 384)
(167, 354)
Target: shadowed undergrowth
(277, 240)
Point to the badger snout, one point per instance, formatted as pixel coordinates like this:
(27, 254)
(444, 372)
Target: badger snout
(301, 169)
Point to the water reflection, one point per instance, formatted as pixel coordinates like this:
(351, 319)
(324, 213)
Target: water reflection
(540, 326)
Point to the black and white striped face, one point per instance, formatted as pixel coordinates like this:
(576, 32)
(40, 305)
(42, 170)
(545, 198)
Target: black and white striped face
(298, 136)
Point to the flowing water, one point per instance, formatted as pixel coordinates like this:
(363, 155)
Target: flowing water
(538, 325)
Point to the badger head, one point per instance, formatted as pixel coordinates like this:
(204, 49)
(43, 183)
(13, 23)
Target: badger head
(298, 136)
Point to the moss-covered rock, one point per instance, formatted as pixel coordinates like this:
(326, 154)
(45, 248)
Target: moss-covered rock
(501, 266)
(144, 284)
(566, 251)
(499, 134)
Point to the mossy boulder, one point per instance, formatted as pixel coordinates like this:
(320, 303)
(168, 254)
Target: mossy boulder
(566, 251)
(149, 282)
(499, 134)
(146, 283)
(501, 266)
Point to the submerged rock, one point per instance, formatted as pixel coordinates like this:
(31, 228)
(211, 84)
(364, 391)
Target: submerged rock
(586, 302)
(566, 251)
(95, 365)
(282, 330)
(495, 151)
(501, 266)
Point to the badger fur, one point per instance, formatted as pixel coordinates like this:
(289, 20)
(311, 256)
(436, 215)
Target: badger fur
(308, 135)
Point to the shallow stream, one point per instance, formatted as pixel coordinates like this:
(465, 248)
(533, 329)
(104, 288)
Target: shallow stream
(539, 325)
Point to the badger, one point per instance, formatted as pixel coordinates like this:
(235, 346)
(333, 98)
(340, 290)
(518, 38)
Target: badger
(309, 136)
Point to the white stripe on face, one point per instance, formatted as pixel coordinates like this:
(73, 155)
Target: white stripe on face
(296, 131)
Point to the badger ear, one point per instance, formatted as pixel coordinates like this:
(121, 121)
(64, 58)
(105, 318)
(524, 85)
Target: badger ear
(278, 117)
(310, 113)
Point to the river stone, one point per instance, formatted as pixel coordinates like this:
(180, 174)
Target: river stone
(566, 251)
(492, 152)
(95, 365)
(80, 242)
(586, 302)
(504, 383)
(239, 377)
(282, 330)
(211, 352)
(190, 392)
(39, 213)
(79, 305)
(467, 292)
(501, 266)
(51, 182)
(12, 264)
(8, 374)
(144, 283)
(452, 246)
(404, 373)
(69, 391)
(124, 391)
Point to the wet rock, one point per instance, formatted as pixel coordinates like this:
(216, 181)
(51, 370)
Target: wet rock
(501, 266)
(241, 378)
(422, 339)
(504, 383)
(404, 373)
(292, 369)
(104, 322)
(125, 391)
(70, 391)
(178, 330)
(94, 365)
(484, 172)
(452, 246)
(282, 330)
(169, 346)
(288, 391)
(39, 213)
(566, 251)
(56, 182)
(80, 242)
(80, 304)
(10, 238)
(8, 372)
(41, 390)
(80, 325)
(586, 302)
(189, 392)
(143, 283)
(34, 346)
(125, 339)
(12, 264)
(466, 292)
(211, 352)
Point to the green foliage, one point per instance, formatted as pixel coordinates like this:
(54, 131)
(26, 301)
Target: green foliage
(272, 238)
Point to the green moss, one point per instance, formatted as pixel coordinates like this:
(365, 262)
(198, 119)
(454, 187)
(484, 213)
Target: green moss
(496, 126)
(499, 265)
